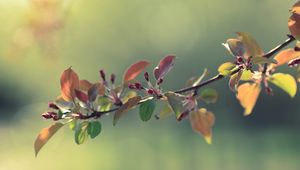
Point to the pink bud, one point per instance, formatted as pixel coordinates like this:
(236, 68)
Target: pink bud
(102, 74)
(138, 86)
(53, 106)
(112, 78)
(150, 91)
(146, 75)
(160, 81)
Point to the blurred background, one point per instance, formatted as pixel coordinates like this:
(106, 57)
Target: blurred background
(41, 38)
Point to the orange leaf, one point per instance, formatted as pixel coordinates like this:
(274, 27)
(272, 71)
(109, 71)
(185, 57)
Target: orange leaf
(285, 56)
(69, 82)
(45, 135)
(202, 122)
(163, 67)
(134, 70)
(85, 85)
(294, 25)
(247, 95)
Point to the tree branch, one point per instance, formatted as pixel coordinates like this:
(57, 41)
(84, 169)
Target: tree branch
(207, 82)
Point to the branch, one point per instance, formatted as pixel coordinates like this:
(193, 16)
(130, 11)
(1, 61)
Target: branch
(207, 82)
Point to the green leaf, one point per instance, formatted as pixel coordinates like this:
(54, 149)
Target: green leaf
(125, 108)
(226, 68)
(44, 136)
(81, 134)
(263, 60)
(103, 104)
(175, 101)
(209, 95)
(72, 124)
(286, 82)
(94, 129)
(147, 109)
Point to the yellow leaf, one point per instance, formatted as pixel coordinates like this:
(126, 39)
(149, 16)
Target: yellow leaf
(45, 135)
(202, 121)
(69, 81)
(286, 82)
(226, 68)
(285, 56)
(125, 108)
(247, 95)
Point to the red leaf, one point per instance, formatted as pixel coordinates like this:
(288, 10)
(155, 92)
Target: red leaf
(69, 81)
(164, 66)
(85, 85)
(81, 96)
(134, 70)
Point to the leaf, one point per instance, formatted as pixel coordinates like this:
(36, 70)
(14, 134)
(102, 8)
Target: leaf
(252, 47)
(93, 92)
(129, 94)
(81, 134)
(263, 60)
(234, 80)
(63, 105)
(72, 124)
(44, 136)
(125, 108)
(296, 8)
(235, 47)
(103, 104)
(285, 56)
(176, 102)
(202, 121)
(247, 96)
(147, 109)
(85, 85)
(69, 81)
(209, 95)
(94, 129)
(294, 25)
(226, 69)
(81, 96)
(247, 75)
(194, 81)
(134, 70)
(165, 111)
(163, 67)
(286, 82)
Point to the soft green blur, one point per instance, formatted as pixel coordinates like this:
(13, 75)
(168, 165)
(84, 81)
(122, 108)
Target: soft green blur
(112, 34)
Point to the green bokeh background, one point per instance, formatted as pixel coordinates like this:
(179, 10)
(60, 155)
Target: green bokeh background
(112, 34)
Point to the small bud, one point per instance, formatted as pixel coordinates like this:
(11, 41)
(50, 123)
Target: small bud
(160, 81)
(112, 78)
(239, 59)
(52, 106)
(146, 75)
(295, 62)
(138, 86)
(150, 91)
(131, 86)
(47, 115)
(297, 48)
(269, 91)
(102, 74)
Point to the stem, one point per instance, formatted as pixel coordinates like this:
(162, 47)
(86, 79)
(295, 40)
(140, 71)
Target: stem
(209, 81)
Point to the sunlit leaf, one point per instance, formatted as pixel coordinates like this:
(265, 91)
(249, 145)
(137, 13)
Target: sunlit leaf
(134, 70)
(235, 47)
(147, 109)
(252, 47)
(247, 96)
(176, 102)
(72, 124)
(286, 82)
(285, 56)
(93, 92)
(125, 108)
(209, 95)
(69, 81)
(247, 75)
(94, 129)
(294, 25)
(163, 67)
(263, 60)
(81, 134)
(202, 121)
(103, 104)
(44, 136)
(129, 94)
(234, 80)
(226, 68)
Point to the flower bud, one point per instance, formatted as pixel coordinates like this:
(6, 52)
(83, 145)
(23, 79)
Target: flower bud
(138, 86)
(102, 74)
(112, 78)
(53, 106)
(146, 75)
(48, 115)
(160, 81)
